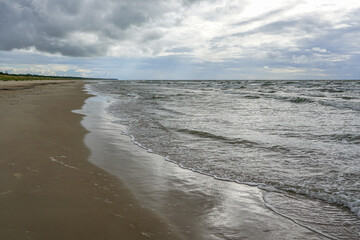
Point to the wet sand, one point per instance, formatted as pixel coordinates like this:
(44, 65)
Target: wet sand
(197, 206)
(48, 188)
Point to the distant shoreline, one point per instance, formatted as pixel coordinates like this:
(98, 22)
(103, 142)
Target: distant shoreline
(29, 77)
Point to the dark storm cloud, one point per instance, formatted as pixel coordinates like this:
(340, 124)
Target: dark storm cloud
(52, 25)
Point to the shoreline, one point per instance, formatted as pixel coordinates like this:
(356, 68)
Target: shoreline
(197, 205)
(48, 188)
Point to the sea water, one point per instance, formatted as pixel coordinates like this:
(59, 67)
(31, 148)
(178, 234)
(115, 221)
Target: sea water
(297, 140)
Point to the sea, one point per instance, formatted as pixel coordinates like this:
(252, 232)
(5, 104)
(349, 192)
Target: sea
(298, 141)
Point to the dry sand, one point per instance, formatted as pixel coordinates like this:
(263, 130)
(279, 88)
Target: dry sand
(48, 189)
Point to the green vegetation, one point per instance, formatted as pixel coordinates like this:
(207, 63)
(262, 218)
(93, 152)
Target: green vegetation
(28, 77)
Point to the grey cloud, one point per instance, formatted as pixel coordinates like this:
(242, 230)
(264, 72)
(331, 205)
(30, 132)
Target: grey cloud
(179, 50)
(50, 25)
(265, 16)
(336, 41)
(151, 36)
(308, 24)
(125, 16)
(273, 54)
(66, 6)
(190, 2)
(298, 25)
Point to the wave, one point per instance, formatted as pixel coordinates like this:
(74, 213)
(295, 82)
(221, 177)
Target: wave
(300, 100)
(348, 138)
(348, 98)
(341, 105)
(331, 90)
(252, 96)
(172, 111)
(202, 134)
(271, 95)
(288, 202)
(332, 228)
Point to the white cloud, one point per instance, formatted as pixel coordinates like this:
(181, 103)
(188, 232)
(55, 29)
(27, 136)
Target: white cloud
(319, 50)
(42, 69)
(288, 70)
(302, 59)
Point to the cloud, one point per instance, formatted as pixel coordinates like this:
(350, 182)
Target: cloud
(302, 59)
(273, 54)
(319, 50)
(221, 34)
(179, 50)
(109, 27)
(58, 26)
(45, 69)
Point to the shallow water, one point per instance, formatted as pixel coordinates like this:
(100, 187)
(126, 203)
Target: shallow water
(194, 206)
(292, 138)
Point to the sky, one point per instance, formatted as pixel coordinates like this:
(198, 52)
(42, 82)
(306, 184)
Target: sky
(182, 39)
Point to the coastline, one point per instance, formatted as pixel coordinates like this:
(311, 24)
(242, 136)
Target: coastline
(48, 188)
(196, 205)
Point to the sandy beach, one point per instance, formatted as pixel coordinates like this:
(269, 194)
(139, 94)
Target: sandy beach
(48, 189)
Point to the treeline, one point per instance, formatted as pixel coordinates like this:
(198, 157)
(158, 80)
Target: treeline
(26, 77)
